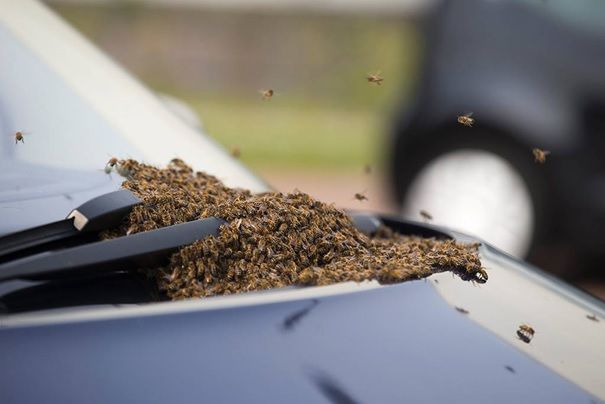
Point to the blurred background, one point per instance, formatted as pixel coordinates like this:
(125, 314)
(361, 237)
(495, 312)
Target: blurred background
(325, 122)
(529, 71)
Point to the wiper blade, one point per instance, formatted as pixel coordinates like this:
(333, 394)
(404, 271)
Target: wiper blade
(146, 249)
(103, 212)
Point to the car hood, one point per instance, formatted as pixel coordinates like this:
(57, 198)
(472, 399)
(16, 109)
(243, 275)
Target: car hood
(344, 343)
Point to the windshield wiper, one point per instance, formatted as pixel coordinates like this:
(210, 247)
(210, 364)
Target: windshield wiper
(141, 250)
(100, 213)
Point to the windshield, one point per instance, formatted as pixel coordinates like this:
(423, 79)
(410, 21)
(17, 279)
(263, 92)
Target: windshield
(77, 109)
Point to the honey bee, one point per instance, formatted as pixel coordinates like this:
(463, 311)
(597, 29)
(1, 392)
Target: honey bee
(19, 136)
(480, 276)
(266, 95)
(466, 119)
(110, 165)
(235, 152)
(361, 197)
(525, 333)
(461, 310)
(592, 317)
(367, 169)
(375, 78)
(540, 155)
(426, 215)
(123, 171)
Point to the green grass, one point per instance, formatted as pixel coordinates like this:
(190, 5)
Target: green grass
(278, 133)
(326, 115)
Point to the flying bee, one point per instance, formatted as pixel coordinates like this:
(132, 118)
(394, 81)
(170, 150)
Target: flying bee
(266, 95)
(426, 215)
(540, 155)
(461, 310)
(375, 78)
(367, 169)
(466, 119)
(525, 333)
(235, 152)
(19, 137)
(361, 197)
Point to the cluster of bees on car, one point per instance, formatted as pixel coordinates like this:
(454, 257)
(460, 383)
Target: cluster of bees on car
(274, 240)
(196, 270)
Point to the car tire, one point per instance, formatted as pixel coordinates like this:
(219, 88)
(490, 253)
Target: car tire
(483, 183)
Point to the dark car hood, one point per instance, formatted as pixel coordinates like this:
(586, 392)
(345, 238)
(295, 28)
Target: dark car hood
(401, 343)
(32, 195)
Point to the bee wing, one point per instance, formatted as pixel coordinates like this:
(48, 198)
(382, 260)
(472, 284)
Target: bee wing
(468, 114)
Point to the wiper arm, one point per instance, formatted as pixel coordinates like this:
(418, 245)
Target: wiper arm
(103, 212)
(146, 249)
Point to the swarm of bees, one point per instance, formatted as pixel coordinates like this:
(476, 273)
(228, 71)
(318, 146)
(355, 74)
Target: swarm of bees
(266, 95)
(375, 78)
(525, 333)
(540, 155)
(272, 239)
(466, 119)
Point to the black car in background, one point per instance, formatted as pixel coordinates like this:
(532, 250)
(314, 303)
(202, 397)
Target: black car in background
(531, 73)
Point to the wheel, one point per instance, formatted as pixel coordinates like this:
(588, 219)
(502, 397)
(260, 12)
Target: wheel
(479, 183)
(478, 192)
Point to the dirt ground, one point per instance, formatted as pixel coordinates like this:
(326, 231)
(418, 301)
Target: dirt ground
(335, 187)
(340, 188)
